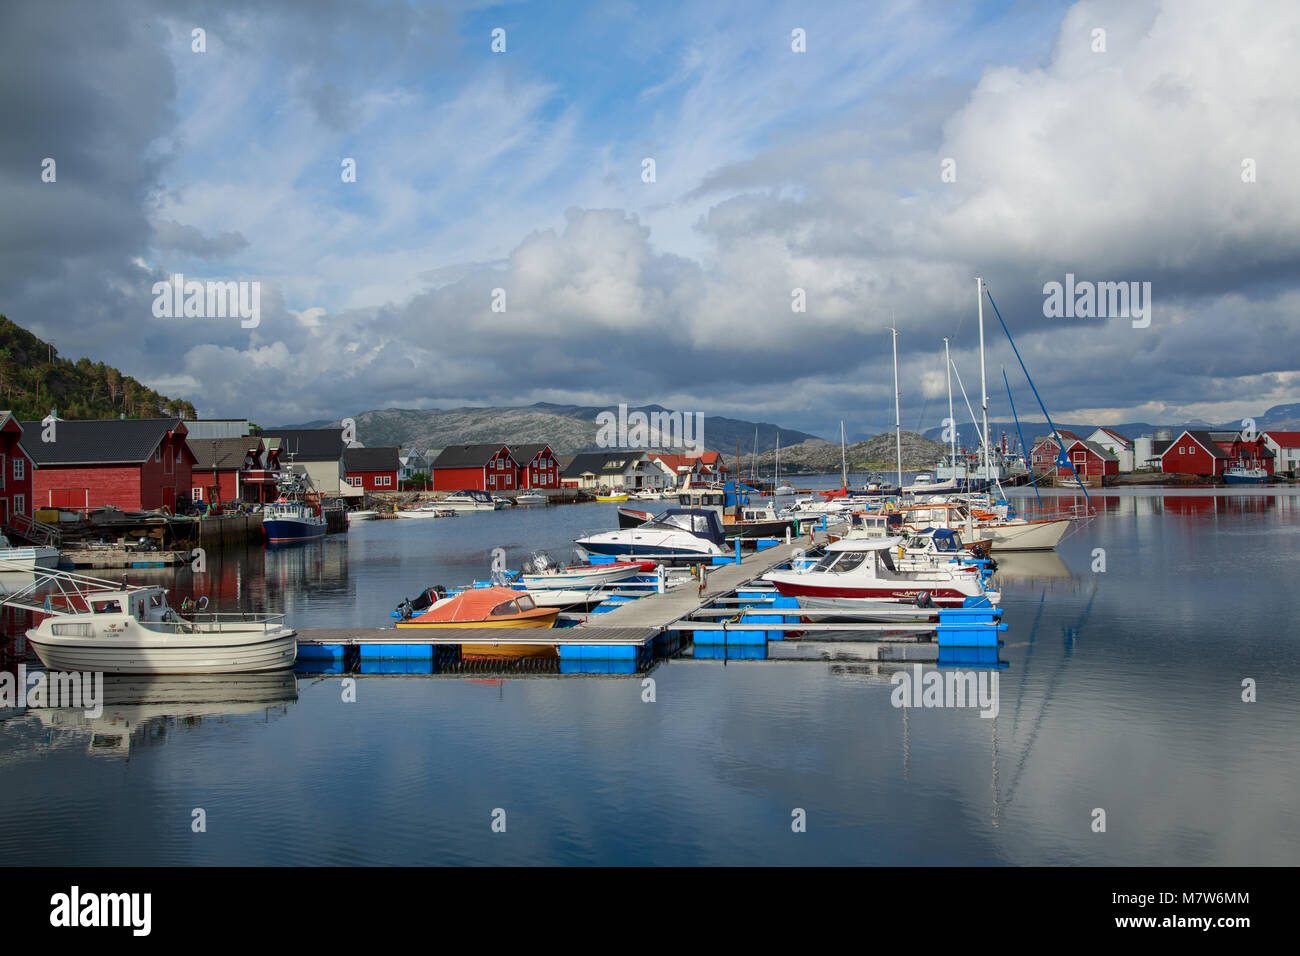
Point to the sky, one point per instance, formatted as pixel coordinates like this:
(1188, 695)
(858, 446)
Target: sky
(876, 156)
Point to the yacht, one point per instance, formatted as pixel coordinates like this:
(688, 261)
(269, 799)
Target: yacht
(677, 533)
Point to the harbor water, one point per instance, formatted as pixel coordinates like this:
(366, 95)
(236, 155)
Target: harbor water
(1127, 656)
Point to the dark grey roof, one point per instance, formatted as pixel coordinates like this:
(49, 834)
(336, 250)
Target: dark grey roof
(1102, 453)
(526, 453)
(307, 444)
(599, 463)
(370, 459)
(111, 441)
(1158, 448)
(222, 453)
(466, 456)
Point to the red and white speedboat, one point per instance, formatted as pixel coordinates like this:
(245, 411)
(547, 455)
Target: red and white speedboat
(854, 570)
(541, 574)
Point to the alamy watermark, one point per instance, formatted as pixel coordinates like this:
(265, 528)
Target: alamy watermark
(650, 430)
(83, 690)
(1098, 300)
(212, 299)
(949, 688)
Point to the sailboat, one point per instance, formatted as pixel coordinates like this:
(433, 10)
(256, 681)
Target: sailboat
(787, 488)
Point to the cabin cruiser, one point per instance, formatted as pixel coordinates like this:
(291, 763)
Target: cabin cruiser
(853, 570)
(430, 509)
(750, 522)
(362, 514)
(530, 498)
(470, 499)
(90, 624)
(677, 533)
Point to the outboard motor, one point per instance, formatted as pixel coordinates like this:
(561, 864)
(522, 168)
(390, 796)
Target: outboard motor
(923, 600)
(404, 610)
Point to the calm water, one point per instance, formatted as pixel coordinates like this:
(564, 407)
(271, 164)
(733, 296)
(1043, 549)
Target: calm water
(1122, 691)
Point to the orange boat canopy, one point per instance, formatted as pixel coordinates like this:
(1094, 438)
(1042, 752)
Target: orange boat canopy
(480, 604)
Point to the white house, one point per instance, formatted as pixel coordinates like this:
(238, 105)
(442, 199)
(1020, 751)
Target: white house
(1116, 444)
(1286, 451)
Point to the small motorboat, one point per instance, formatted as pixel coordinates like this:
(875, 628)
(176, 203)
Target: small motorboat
(484, 607)
(362, 514)
(428, 510)
(25, 558)
(611, 494)
(785, 490)
(90, 624)
(541, 573)
(632, 517)
(493, 607)
(420, 603)
(852, 570)
(530, 498)
(470, 499)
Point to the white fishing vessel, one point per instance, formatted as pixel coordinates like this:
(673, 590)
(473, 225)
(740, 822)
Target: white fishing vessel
(26, 557)
(854, 570)
(90, 624)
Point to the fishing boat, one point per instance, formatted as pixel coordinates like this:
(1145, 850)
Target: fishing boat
(677, 533)
(90, 624)
(852, 570)
(1242, 475)
(471, 499)
(26, 558)
(287, 521)
(611, 494)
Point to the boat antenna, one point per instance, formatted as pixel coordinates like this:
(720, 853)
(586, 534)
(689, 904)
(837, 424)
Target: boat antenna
(984, 388)
(898, 417)
(952, 422)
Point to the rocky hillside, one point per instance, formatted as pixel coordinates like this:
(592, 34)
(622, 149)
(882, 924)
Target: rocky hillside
(874, 454)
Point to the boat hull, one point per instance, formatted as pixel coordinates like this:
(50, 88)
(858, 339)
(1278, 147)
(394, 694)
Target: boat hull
(595, 577)
(850, 596)
(28, 559)
(1032, 536)
(621, 548)
(538, 618)
(289, 530)
(210, 653)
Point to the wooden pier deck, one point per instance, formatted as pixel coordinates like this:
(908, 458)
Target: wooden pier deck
(660, 610)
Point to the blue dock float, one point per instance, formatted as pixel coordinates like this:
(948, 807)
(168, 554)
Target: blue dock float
(976, 624)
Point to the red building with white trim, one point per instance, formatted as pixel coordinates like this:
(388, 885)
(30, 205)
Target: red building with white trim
(16, 470)
(136, 464)
(1208, 453)
(537, 466)
(370, 469)
(478, 467)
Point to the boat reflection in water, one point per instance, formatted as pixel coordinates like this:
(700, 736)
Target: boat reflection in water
(1025, 567)
(143, 710)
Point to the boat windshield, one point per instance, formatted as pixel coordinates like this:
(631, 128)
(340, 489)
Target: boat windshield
(505, 607)
(701, 523)
(526, 603)
(849, 560)
(106, 607)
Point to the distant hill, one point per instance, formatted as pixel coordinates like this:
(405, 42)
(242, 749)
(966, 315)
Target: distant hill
(568, 429)
(875, 454)
(34, 378)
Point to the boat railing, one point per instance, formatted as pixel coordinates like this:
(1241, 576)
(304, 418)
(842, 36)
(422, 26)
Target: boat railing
(216, 622)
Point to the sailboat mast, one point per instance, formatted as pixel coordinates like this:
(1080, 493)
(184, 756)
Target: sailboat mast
(984, 387)
(844, 459)
(952, 422)
(898, 417)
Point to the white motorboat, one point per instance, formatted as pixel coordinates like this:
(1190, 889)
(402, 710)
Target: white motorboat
(853, 570)
(530, 498)
(540, 573)
(26, 558)
(784, 491)
(678, 532)
(90, 624)
(362, 514)
(431, 509)
(471, 499)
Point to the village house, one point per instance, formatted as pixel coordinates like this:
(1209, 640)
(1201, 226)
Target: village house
(1285, 447)
(538, 468)
(1117, 445)
(488, 467)
(319, 452)
(1207, 453)
(136, 464)
(626, 470)
(16, 468)
(412, 463)
(369, 469)
(1089, 459)
(233, 469)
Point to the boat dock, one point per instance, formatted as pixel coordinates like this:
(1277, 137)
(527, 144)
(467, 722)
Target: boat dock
(727, 614)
